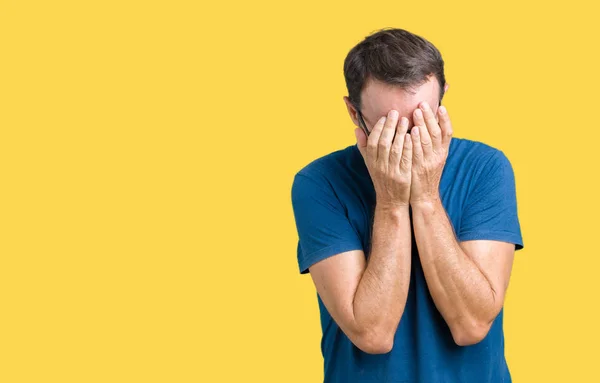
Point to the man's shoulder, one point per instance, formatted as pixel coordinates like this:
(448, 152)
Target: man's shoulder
(324, 175)
(474, 153)
(326, 165)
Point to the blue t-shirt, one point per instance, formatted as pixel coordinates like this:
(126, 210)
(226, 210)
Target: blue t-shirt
(333, 201)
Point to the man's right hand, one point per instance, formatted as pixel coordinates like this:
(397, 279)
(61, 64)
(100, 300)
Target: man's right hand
(388, 159)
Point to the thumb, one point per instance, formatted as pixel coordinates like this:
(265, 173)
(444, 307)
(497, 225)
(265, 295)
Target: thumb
(361, 140)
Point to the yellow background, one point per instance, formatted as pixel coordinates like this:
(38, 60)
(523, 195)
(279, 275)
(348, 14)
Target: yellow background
(147, 151)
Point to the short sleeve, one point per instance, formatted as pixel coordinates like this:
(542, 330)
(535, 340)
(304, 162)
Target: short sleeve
(322, 224)
(490, 210)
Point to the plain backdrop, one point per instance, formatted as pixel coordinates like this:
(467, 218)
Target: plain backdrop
(147, 151)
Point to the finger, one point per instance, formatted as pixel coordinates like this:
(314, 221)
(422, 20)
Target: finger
(361, 141)
(407, 155)
(445, 125)
(396, 149)
(432, 126)
(373, 139)
(424, 138)
(417, 149)
(387, 135)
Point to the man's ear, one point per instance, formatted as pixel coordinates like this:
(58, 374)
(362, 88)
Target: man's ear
(446, 86)
(351, 111)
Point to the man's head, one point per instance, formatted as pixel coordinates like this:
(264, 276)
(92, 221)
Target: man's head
(392, 69)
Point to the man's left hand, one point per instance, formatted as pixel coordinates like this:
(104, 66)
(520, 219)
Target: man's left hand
(431, 141)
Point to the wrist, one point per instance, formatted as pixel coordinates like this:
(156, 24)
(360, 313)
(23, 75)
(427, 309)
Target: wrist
(427, 204)
(392, 208)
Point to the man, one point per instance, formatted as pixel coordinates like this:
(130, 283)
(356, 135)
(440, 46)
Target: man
(409, 235)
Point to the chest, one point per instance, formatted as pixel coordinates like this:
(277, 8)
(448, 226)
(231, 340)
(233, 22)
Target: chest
(361, 201)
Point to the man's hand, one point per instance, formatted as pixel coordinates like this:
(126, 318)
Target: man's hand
(431, 141)
(388, 160)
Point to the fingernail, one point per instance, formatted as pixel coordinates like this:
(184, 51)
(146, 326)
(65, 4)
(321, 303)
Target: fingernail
(442, 109)
(415, 131)
(393, 114)
(404, 121)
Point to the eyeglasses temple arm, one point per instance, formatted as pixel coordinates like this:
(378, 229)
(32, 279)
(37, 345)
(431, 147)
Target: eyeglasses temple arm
(362, 123)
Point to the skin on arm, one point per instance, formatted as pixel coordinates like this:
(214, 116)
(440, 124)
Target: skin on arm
(467, 280)
(367, 298)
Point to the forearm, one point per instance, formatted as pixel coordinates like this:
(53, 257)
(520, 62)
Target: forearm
(381, 293)
(460, 291)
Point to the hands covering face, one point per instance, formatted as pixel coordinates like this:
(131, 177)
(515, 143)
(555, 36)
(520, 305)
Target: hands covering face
(407, 168)
(431, 141)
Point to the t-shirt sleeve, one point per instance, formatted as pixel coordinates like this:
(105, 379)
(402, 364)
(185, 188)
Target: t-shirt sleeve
(321, 221)
(490, 210)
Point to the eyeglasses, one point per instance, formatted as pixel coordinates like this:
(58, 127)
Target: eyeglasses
(362, 124)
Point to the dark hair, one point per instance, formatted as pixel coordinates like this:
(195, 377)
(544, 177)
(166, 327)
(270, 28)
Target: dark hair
(394, 56)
